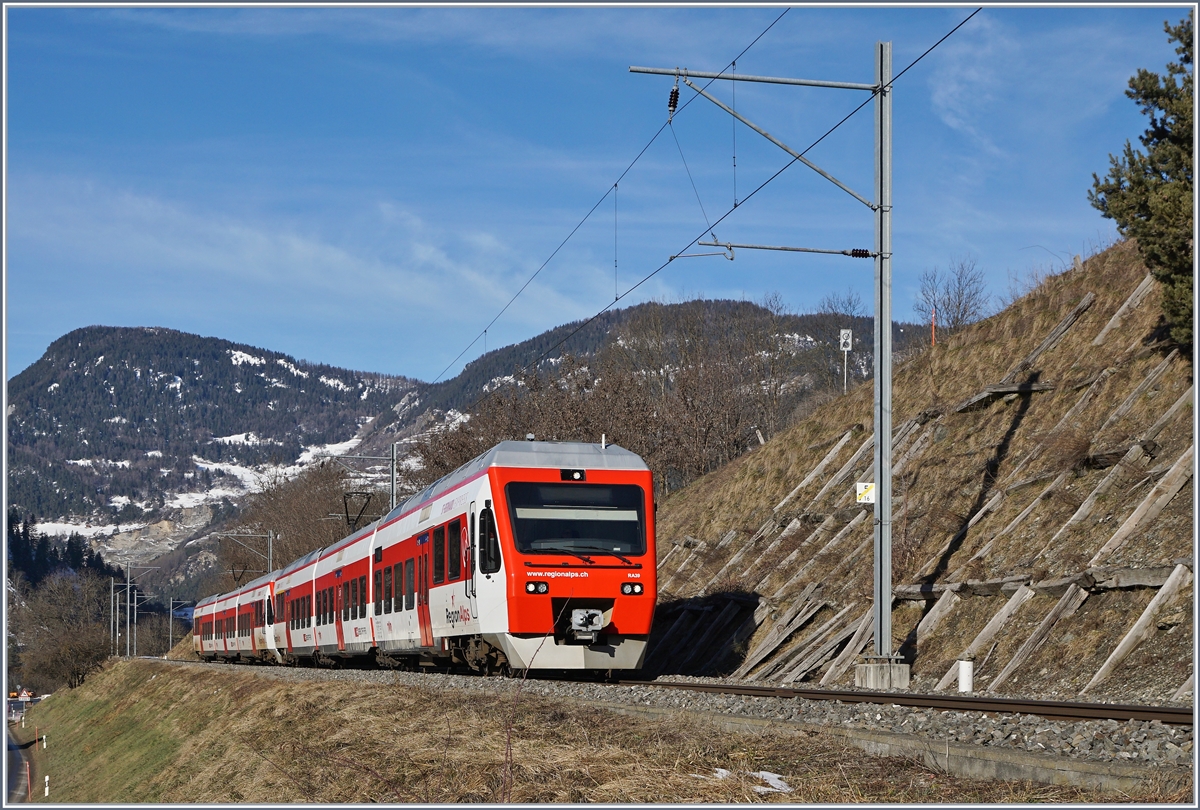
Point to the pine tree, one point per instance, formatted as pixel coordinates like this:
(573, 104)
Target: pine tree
(1149, 195)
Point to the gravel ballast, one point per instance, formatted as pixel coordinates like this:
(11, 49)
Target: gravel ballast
(1131, 741)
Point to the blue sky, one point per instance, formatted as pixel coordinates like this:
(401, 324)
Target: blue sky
(369, 187)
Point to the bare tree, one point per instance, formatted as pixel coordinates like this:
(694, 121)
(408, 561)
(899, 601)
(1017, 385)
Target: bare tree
(849, 303)
(63, 625)
(303, 513)
(959, 295)
(686, 387)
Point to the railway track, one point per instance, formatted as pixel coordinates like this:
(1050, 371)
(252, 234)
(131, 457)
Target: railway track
(1051, 709)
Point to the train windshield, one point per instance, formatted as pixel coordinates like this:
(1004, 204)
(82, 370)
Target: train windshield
(578, 518)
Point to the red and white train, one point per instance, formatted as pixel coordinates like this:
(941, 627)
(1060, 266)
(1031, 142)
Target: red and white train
(534, 555)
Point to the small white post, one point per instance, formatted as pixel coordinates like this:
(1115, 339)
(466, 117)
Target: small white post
(47, 785)
(43, 742)
(966, 676)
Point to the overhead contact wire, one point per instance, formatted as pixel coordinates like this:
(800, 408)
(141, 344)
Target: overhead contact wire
(597, 205)
(763, 185)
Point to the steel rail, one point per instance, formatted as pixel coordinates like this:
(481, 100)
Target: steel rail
(1051, 709)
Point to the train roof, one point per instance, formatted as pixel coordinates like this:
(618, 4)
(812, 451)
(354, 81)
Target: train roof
(552, 455)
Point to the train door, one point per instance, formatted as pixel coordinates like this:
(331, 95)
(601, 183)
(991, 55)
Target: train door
(423, 615)
(339, 607)
(469, 534)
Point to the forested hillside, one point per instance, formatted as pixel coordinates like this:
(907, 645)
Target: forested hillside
(123, 412)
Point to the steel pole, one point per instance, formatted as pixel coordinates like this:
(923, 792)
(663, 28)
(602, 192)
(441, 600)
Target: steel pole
(883, 351)
(393, 506)
(170, 624)
(135, 607)
(112, 632)
(128, 591)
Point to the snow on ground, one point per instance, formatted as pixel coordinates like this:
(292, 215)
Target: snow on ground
(333, 382)
(185, 500)
(249, 477)
(292, 368)
(63, 529)
(341, 448)
(243, 438)
(237, 358)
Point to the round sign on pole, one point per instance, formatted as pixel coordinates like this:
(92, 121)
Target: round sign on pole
(847, 340)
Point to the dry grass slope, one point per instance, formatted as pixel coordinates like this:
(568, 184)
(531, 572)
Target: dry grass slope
(147, 731)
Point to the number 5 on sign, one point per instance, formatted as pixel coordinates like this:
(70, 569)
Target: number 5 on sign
(866, 492)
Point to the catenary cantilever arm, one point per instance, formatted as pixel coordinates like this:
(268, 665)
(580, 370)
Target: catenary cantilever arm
(786, 148)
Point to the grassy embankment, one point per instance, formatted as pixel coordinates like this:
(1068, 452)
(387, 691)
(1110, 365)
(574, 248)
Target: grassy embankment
(148, 731)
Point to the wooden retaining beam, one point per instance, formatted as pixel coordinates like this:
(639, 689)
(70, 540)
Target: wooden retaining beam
(1051, 340)
(1067, 605)
(803, 609)
(1015, 522)
(1067, 419)
(820, 531)
(1151, 379)
(1150, 507)
(1184, 399)
(845, 470)
(837, 538)
(993, 627)
(1118, 471)
(1143, 627)
(993, 392)
(1131, 303)
(863, 633)
(808, 479)
(1186, 689)
(822, 654)
(802, 649)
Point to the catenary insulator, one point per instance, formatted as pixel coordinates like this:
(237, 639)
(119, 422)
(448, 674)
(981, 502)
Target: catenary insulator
(673, 103)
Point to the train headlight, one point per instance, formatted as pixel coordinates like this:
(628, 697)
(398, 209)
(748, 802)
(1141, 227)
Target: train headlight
(629, 588)
(537, 587)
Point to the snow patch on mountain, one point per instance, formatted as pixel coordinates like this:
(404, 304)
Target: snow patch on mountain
(292, 368)
(334, 382)
(238, 358)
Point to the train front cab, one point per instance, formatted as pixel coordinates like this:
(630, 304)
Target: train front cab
(573, 550)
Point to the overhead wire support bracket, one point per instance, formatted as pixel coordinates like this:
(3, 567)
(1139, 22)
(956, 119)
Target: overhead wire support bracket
(857, 253)
(727, 253)
(786, 148)
(744, 77)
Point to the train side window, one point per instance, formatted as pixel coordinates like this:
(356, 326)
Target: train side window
(378, 592)
(345, 601)
(454, 550)
(308, 602)
(387, 589)
(362, 597)
(398, 576)
(354, 598)
(279, 611)
(410, 592)
(439, 555)
(489, 546)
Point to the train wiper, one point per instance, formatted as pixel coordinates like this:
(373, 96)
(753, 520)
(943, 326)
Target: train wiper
(556, 550)
(599, 550)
